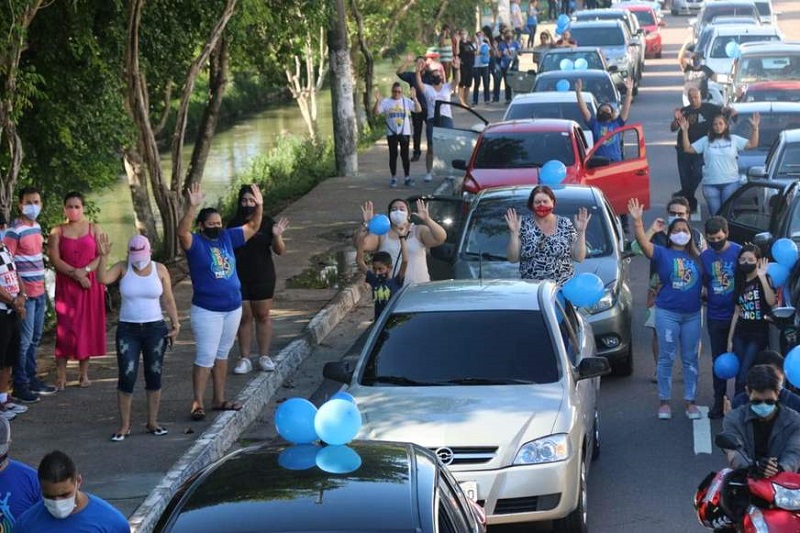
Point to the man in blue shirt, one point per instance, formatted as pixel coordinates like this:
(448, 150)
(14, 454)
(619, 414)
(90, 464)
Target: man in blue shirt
(606, 121)
(64, 506)
(719, 266)
(19, 488)
(508, 49)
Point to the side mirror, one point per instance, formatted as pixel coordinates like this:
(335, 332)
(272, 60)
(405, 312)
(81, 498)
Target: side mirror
(338, 371)
(598, 161)
(763, 240)
(593, 367)
(757, 172)
(726, 441)
(613, 68)
(444, 252)
(459, 164)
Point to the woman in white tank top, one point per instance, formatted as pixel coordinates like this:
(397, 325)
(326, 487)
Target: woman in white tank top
(420, 237)
(144, 285)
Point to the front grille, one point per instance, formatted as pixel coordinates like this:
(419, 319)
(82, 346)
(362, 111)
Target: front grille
(466, 455)
(529, 504)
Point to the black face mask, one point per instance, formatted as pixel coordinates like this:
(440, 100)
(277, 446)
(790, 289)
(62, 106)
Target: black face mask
(212, 233)
(747, 268)
(717, 245)
(603, 116)
(248, 210)
(437, 80)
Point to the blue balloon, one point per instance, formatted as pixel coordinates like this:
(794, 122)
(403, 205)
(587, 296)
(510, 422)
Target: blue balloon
(563, 20)
(726, 366)
(584, 290)
(299, 457)
(785, 252)
(341, 395)
(552, 173)
(294, 420)
(338, 459)
(562, 86)
(732, 49)
(581, 64)
(379, 224)
(778, 273)
(337, 422)
(566, 64)
(791, 366)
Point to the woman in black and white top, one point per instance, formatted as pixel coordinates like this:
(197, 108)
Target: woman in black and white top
(546, 244)
(397, 110)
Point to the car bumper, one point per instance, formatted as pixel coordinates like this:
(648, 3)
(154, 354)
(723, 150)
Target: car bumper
(612, 331)
(653, 48)
(527, 493)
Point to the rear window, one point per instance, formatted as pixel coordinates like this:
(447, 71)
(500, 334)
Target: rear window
(645, 18)
(552, 61)
(718, 48)
(768, 67)
(771, 95)
(598, 36)
(772, 124)
(433, 348)
(711, 11)
(563, 110)
(487, 232)
(601, 88)
(524, 149)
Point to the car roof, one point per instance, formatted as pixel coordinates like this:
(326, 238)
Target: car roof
(791, 136)
(729, 3)
(571, 74)
(750, 29)
(531, 124)
(769, 47)
(565, 193)
(637, 6)
(766, 107)
(550, 96)
(251, 487)
(572, 50)
(613, 23)
(604, 12)
(472, 295)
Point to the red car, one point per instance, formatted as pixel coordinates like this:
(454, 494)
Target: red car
(512, 152)
(772, 91)
(650, 23)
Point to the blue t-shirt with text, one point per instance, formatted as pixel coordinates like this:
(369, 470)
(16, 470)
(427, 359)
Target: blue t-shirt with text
(19, 491)
(718, 271)
(679, 274)
(97, 517)
(383, 290)
(212, 266)
(612, 148)
(506, 59)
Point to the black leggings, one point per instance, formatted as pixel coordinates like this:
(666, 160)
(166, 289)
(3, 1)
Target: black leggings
(393, 141)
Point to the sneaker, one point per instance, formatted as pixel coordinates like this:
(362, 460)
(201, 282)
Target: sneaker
(693, 413)
(428, 178)
(664, 412)
(393, 183)
(717, 411)
(8, 415)
(266, 364)
(416, 157)
(40, 387)
(12, 407)
(25, 396)
(244, 366)
(409, 182)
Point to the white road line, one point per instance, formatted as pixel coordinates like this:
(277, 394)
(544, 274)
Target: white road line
(702, 432)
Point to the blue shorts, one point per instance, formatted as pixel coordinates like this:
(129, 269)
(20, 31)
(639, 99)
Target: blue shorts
(444, 122)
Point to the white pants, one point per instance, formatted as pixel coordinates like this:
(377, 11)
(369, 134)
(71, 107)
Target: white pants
(214, 334)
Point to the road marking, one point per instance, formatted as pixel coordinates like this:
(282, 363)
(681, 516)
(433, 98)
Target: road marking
(702, 432)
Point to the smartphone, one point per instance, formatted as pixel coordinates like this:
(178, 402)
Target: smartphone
(169, 342)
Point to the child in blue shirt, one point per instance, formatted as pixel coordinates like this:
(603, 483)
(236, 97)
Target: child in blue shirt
(383, 287)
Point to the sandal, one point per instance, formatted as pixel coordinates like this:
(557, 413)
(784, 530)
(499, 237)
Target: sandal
(157, 431)
(198, 413)
(228, 405)
(119, 437)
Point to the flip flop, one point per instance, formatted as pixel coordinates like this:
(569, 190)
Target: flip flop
(228, 405)
(198, 413)
(157, 431)
(119, 437)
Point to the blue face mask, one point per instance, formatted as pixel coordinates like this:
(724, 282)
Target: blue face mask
(762, 410)
(671, 219)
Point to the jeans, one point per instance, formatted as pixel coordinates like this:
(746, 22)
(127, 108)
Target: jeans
(214, 334)
(30, 337)
(717, 194)
(746, 346)
(481, 74)
(690, 170)
(677, 331)
(531, 35)
(418, 124)
(402, 141)
(718, 334)
(497, 77)
(149, 339)
(504, 72)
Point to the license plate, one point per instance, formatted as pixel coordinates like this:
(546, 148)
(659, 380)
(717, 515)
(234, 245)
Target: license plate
(470, 489)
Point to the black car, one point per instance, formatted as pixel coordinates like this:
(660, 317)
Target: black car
(595, 60)
(384, 486)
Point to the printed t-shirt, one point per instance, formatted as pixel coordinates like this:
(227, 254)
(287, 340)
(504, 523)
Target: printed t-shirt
(212, 266)
(679, 275)
(718, 271)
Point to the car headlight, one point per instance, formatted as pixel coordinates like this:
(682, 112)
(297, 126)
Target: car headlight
(785, 498)
(607, 301)
(550, 449)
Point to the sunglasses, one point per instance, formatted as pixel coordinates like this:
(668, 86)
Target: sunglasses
(763, 402)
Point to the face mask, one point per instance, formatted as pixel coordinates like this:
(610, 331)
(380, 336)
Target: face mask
(248, 210)
(382, 277)
(603, 116)
(762, 410)
(747, 268)
(398, 217)
(212, 233)
(31, 211)
(437, 80)
(671, 219)
(140, 265)
(60, 508)
(74, 215)
(543, 210)
(681, 239)
(717, 245)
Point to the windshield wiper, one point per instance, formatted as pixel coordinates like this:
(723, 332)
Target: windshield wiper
(489, 381)
(487, 256)
(395, 380)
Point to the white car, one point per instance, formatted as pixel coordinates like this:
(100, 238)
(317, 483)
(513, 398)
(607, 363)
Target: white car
(500, 379)
(553, 104)
(715, 53)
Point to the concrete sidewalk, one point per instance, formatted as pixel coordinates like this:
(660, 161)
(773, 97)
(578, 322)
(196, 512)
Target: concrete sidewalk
(81, 421)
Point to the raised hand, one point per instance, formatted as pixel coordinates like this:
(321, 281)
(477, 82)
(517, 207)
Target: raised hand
(678, 115)
(257, 196)
(629, 87)
(635, 209)
(367, 212)
(422, 211)
(761, 269)
(512, 220)
(413, 93)
(195, 195)
(582, 220)
(658, 225)
(755, 120)
(578, 85)
(683, 123)
(103, 243)
(280, 226)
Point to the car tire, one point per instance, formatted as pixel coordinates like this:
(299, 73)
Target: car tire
(596, 437)
(576, 521)
(624, 367)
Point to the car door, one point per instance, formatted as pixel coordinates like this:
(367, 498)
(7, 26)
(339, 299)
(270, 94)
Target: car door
(455, 143)
(751, 210)
(621, 180)
(450, 213)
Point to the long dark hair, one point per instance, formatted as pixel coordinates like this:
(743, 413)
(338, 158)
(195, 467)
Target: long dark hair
(739, 278)
(726, 133)
(239, 218)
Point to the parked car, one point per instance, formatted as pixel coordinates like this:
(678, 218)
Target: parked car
(783, 159)
(552, 104)
(500, 378)
(772, 91)
(651, 23)
(397, 487)
(728, 8)
(762, 62)
(616, 43)
(627, 18)
(476, 248)
(775, 117)
(715, 53)
(595, 59)
(597, 82)
(686, 7)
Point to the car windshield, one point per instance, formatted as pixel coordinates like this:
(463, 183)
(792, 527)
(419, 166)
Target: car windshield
(764, 9)
(529, 149)
(552, 60)
(601, 87)
(504, 347)
(589, 36)
(565, 110)
(790, 161)
(712, 11)
(718, 49)
(645, 18)
(772, 124)
(769, 67)
(487, 232)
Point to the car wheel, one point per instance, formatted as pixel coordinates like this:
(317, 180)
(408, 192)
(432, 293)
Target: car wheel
(596, 436)
(576, 521)
(624, 367)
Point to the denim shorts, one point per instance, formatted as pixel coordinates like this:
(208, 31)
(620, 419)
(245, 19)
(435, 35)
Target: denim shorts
(148, 339)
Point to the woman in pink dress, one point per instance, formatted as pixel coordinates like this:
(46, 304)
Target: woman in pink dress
(80, 298)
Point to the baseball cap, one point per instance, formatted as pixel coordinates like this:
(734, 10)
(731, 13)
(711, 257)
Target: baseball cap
(138, 248)
(5, 435)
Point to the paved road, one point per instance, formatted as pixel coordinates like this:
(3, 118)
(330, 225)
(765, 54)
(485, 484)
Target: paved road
(649, 469)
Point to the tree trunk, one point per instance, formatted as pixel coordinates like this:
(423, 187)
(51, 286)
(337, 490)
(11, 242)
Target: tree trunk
(345, 134)
(137, 181)
(369, 61)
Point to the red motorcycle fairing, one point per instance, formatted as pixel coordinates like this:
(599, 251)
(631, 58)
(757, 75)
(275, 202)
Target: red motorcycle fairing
(782, 490)
(770, 521)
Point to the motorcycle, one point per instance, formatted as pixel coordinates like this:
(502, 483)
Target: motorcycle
(738, 500)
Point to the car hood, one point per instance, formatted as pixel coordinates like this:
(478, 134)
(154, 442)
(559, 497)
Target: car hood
(500, 177)
(499, 415)
(615, 51)
(467, 267)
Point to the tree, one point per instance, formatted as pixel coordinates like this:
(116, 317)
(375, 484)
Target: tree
(304, 88)
(345, 133)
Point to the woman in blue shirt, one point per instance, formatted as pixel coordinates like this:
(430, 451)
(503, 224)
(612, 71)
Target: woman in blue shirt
(677, 313)
(217, 298)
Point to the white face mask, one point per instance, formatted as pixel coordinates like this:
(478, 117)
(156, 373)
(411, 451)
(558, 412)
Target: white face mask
(140, 265)
(398, 217)
(681, 239)
(60, 508)
(31, 211)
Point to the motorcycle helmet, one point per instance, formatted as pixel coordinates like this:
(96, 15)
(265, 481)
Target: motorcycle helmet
(707, 501)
